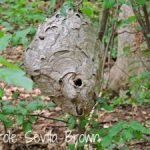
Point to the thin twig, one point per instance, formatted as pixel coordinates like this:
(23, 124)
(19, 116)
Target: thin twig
(50, 118)
(41, 116)
(79, 3)
(127, 32)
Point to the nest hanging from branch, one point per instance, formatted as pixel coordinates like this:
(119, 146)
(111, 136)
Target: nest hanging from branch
(64, 60)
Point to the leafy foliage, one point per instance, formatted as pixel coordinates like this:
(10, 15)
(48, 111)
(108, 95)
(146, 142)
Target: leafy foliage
(138, 93)
(118, 134)
(16, 16)
(15, 20)
(18, 21)
(23, 112)
(12, 74)
(4, 40)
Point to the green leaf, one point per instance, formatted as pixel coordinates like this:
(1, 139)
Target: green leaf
(22, 110)
(107, 107)
(106, 141)
(83, 121)
(32, 119)
(88, 11)
(22, 103)
(4, 102)
(131, 19)
(15, 94)
(95, 124)
(135, 125)
(100, 99)
(51, 104)
(65, 7)
(127, 134)
(137, 135)
(51, 6)
(109, 3)
(24, 32)
(33, 30)
(16, 77)
(116, 128)
(72, 122)
(7, 122)
(81, 143)
(121, 1)
(141, 2)
(71, 146)
(127, 21)
(27, 126)
(1, 34)
(7, 25)
(4, 40)
(126, 49)
(103, 132)
(9, 109)
(148, 35)
(8, 64)
(19, 119)
(114, 53)
(32, 106)
(1, 92)
(20, 37)
(3, 117)
(15, 40)
(125, 148)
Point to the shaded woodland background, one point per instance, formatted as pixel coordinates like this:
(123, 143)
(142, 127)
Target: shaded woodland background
(121, 116)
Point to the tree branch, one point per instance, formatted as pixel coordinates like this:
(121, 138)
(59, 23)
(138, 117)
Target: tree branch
(146, 18)
(41, 116)
(103, 24)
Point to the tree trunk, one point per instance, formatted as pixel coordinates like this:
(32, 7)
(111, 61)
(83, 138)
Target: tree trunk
(131, 48)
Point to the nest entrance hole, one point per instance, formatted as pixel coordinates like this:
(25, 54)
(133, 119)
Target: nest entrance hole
(78, 82)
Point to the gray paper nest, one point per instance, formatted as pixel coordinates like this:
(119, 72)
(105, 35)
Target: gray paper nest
(64, 60)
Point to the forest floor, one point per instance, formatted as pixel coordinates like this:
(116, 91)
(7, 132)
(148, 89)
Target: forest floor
(45, 125)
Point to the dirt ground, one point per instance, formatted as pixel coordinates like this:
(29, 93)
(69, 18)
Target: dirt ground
(46, 125)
